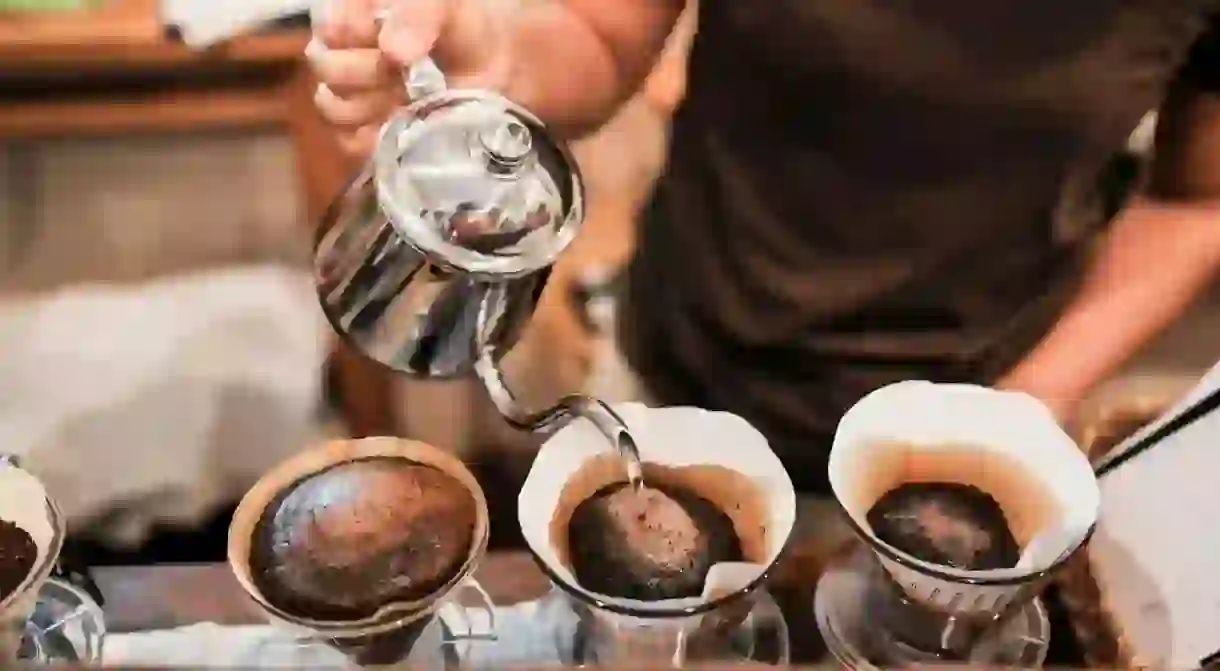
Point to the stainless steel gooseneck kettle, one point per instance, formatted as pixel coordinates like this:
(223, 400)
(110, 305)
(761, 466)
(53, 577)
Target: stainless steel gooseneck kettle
(434, 258)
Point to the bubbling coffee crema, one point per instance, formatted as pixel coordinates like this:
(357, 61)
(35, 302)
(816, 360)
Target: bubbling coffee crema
(960, 506)
(652, 544)
(18, 553)
(946, 523)
(345, 542)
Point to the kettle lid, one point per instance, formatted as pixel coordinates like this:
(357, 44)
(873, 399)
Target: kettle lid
(477, 184)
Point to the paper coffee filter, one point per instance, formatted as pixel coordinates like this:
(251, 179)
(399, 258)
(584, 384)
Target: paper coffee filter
(717, 454)
(924, 418)
(328, 455)
(24, 502)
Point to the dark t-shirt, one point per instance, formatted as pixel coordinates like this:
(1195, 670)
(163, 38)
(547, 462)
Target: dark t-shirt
(864, 191)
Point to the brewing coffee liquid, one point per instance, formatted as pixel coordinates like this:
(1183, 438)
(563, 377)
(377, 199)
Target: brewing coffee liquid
(1027, 503)
(727, 490)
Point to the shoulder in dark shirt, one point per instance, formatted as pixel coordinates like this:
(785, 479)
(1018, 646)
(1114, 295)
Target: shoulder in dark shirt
(1203, 64)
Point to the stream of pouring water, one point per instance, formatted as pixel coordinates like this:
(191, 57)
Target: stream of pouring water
(631, 459)
(600, 415)
(613, 429)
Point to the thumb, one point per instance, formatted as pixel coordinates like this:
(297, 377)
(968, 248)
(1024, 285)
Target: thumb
(460, 35)
(411, 29)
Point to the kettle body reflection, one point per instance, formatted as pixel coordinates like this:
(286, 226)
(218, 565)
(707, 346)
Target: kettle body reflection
(437, 253)
(434, 258)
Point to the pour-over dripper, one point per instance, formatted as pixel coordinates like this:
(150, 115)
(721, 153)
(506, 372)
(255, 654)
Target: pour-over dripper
(24, 502)
(748, 630)
(925, 432)
(717, 456)
(855, 601)
(392, 632)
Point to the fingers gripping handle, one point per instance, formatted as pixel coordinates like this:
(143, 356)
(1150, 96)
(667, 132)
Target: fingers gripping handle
(422, 78)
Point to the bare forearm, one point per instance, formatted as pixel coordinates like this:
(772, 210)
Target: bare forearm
(575, 62)
(666, 84)
(1158, 257)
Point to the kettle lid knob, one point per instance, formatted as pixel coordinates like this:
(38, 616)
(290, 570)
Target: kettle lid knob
(477, 184)
(507, 144)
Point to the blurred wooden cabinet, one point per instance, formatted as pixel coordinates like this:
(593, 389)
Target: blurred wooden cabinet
(115, 69)
(67, 36)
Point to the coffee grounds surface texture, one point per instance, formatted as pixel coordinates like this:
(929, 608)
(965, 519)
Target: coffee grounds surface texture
(345, 542)
(946, 523)
(648, 545)
(18, 553)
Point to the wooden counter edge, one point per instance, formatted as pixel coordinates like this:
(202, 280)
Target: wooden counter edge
(126, 33)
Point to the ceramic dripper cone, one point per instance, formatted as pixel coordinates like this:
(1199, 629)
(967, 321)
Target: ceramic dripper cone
(920, 431)
(24, 502)
(390, 616)
(717, 455)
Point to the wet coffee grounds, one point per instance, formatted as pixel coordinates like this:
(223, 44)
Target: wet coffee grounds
(17, 556)
(946, 523)
(340, 544)
(654, 544)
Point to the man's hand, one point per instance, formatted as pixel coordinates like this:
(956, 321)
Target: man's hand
(361, 52)
(572, 63)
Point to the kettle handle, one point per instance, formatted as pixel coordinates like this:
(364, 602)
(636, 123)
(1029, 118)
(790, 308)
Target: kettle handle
(422, 78)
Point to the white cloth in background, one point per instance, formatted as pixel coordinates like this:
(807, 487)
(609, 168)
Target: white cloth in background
(205, 22)
(165, 398)
(209, 645)
(529, 633)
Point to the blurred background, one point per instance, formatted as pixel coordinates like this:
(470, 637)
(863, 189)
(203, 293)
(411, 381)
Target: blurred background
(161, 170)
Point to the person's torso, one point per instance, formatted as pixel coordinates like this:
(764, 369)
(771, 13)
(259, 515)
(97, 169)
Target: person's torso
(867, 189)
